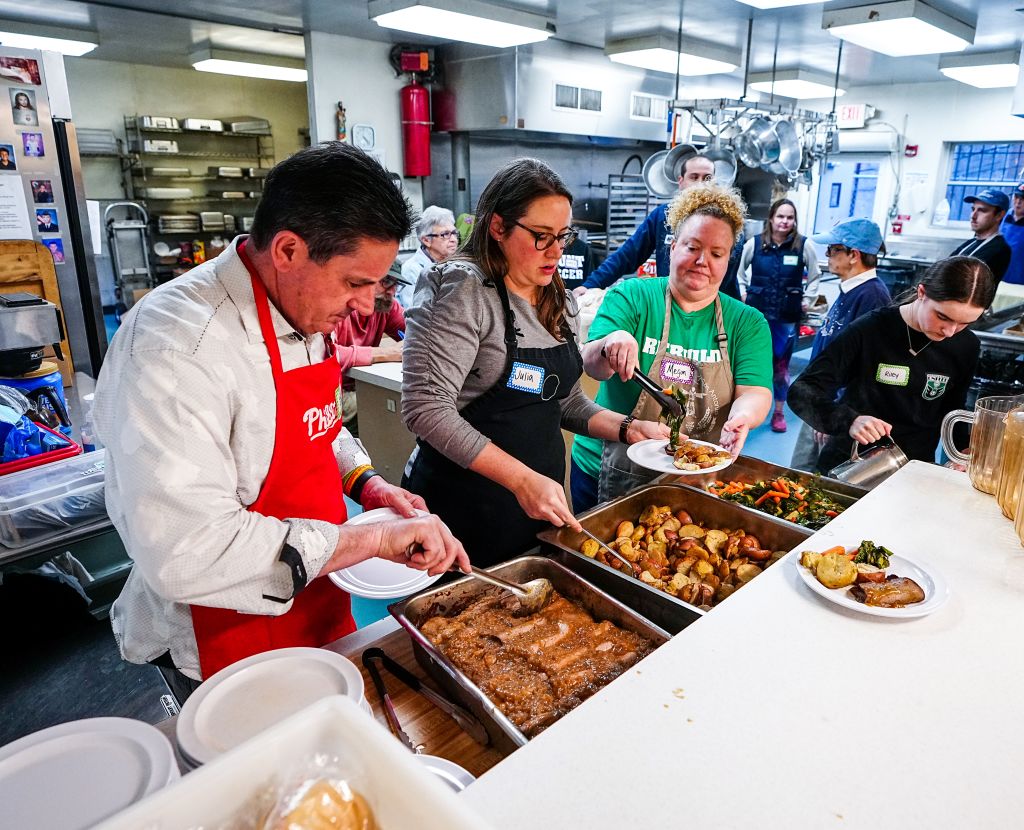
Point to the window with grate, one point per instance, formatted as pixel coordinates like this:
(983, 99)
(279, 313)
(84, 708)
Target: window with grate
(975, 165)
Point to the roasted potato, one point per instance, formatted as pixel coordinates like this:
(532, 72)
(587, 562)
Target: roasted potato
(834, 570)
(589, 548)
(809, 559)
(869, 573)
(692, 531)
(714, 539)
(745, 573)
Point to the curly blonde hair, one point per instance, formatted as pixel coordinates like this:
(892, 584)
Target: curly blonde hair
(723, 203)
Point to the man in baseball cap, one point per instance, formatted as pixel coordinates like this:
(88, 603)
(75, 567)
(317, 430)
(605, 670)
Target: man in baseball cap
(1012, 230)
(988, 207)
(853, 248)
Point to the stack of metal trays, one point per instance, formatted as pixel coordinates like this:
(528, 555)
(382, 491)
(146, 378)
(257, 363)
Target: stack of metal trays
(248, 124)
(661, 608)
(97, 142)
(225, 172)
(211, 220)
(178, 223)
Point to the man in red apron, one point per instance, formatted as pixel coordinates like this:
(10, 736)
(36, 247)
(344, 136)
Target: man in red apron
(219, 405)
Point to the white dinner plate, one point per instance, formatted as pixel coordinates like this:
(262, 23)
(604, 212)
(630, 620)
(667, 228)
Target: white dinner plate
(936, 592)
(253, 694)
(77, 774)
(379, 578)
(451, 773)
(651, 454)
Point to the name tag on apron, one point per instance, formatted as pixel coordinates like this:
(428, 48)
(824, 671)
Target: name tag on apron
(526, 378)
(676, 371)
(790, 259)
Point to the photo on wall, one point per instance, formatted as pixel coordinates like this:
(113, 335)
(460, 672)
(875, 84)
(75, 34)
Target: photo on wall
(20, 70)
(56, 249)
(33, 144)
(42, 191)
(7, 161)
(23, 107)
(46, 221)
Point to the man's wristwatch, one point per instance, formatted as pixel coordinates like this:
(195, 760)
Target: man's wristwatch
(624, 428)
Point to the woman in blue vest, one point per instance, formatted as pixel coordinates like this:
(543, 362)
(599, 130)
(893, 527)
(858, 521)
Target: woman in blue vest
(778, 275)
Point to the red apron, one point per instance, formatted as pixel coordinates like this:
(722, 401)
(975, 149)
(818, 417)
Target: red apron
(303, 482)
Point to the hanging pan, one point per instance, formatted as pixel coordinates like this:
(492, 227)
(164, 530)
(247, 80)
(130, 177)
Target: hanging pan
(789, 147)
(758, 145)
(676, 160)
(725, 165)
(654, 176)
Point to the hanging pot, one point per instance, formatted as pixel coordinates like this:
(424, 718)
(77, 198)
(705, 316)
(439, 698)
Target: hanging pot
(758, 145)
(676, 160)
(789, 147)
(654, 176)
(725, 165)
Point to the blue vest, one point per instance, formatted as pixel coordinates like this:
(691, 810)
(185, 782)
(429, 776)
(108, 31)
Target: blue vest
(777, 281)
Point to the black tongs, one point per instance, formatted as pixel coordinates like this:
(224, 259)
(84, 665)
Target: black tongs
(469, 724)
(667, 402)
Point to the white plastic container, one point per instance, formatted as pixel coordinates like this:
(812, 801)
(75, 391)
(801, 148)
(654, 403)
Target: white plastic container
(46, 501)
(402, 792)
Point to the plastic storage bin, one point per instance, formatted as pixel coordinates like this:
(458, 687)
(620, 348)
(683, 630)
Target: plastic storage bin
(46, 501)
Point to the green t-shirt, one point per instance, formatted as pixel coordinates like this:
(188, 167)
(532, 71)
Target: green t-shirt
(638, 306)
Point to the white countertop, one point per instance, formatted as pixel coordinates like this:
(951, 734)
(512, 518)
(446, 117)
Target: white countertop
(779, 709)
(385, 375)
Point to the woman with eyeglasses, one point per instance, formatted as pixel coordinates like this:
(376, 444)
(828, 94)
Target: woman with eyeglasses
(898, 370)
(492, 370)
(438, 241)
(678, 330)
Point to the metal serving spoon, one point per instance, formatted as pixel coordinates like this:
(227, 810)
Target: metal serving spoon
(532, 595)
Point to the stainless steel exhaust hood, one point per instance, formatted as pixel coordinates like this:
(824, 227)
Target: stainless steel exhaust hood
(552, 91)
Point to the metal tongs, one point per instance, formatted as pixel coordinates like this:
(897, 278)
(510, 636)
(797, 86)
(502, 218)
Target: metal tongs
(667, 402)
(469, 724)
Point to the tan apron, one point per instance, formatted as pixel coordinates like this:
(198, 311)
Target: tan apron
(709, 388)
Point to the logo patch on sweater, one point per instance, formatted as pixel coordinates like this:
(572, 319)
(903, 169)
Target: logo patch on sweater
(934, 387)
(892, 375)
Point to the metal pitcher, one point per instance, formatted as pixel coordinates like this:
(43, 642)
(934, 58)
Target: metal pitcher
(872, 466)
(985, 456)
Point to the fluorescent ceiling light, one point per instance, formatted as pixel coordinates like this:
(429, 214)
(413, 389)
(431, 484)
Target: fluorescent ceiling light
(660, 53)
(249, 65)
(71, 42)
(468, 21)
(795, 83)
(777, 4)
(904, 27)
(989, 70)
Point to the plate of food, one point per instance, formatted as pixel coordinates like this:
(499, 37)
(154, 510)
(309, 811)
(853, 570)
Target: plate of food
(689, 458)
(873, 580)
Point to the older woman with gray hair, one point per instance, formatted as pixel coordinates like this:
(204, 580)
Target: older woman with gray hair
(438, 241)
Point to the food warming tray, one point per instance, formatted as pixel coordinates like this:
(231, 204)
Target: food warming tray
(665, 610)
(452, 597)
(752, 470)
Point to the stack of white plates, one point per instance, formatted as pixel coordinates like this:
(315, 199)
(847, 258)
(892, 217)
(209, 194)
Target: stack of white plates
(379, 578)
(251, 695)
(77, 774)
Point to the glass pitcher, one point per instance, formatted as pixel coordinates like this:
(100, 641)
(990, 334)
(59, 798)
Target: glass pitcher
(1012, 466)
(986, 453)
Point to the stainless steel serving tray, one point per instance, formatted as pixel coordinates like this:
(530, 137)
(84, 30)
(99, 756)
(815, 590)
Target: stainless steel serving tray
(752, 470)
(453, 597)
(661, 608)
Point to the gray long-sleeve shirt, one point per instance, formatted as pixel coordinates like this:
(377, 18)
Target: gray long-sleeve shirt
(455, 351)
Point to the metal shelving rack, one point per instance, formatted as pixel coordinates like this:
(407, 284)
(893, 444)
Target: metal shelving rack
(629, 202)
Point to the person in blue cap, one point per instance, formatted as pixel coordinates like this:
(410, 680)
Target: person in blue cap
(852, 248)
(987, 210)
(1012, 230)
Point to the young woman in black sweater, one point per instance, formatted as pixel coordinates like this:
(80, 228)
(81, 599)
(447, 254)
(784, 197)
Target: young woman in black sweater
(898, 370)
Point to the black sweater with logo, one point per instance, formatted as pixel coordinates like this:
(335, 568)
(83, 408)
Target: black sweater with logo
(871, 370)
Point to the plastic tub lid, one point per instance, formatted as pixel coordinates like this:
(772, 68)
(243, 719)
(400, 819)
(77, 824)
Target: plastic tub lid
(42, 483)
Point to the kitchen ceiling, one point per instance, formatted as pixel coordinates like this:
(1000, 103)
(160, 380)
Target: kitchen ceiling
(162, 32)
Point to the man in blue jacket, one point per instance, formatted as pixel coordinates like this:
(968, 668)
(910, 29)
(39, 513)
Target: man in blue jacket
(853, 248)
(1012, 230)
(654, 237)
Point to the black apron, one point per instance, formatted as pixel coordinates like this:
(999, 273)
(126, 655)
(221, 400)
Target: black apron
(522, 415)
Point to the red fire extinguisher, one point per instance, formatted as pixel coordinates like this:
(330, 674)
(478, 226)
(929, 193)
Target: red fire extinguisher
(416, 129)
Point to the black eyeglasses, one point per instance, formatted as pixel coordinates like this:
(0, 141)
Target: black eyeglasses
(836, 249)
(389, 282)
(442, 235)
(542, 241)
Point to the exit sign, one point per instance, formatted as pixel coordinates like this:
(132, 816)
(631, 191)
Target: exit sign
(850, 116)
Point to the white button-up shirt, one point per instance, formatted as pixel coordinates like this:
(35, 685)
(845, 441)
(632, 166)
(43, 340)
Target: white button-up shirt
(185, 404)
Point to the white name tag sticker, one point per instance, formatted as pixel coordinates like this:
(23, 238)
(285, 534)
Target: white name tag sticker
(892, 375)
(790, 259)
(676, 371)
(526, 378)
